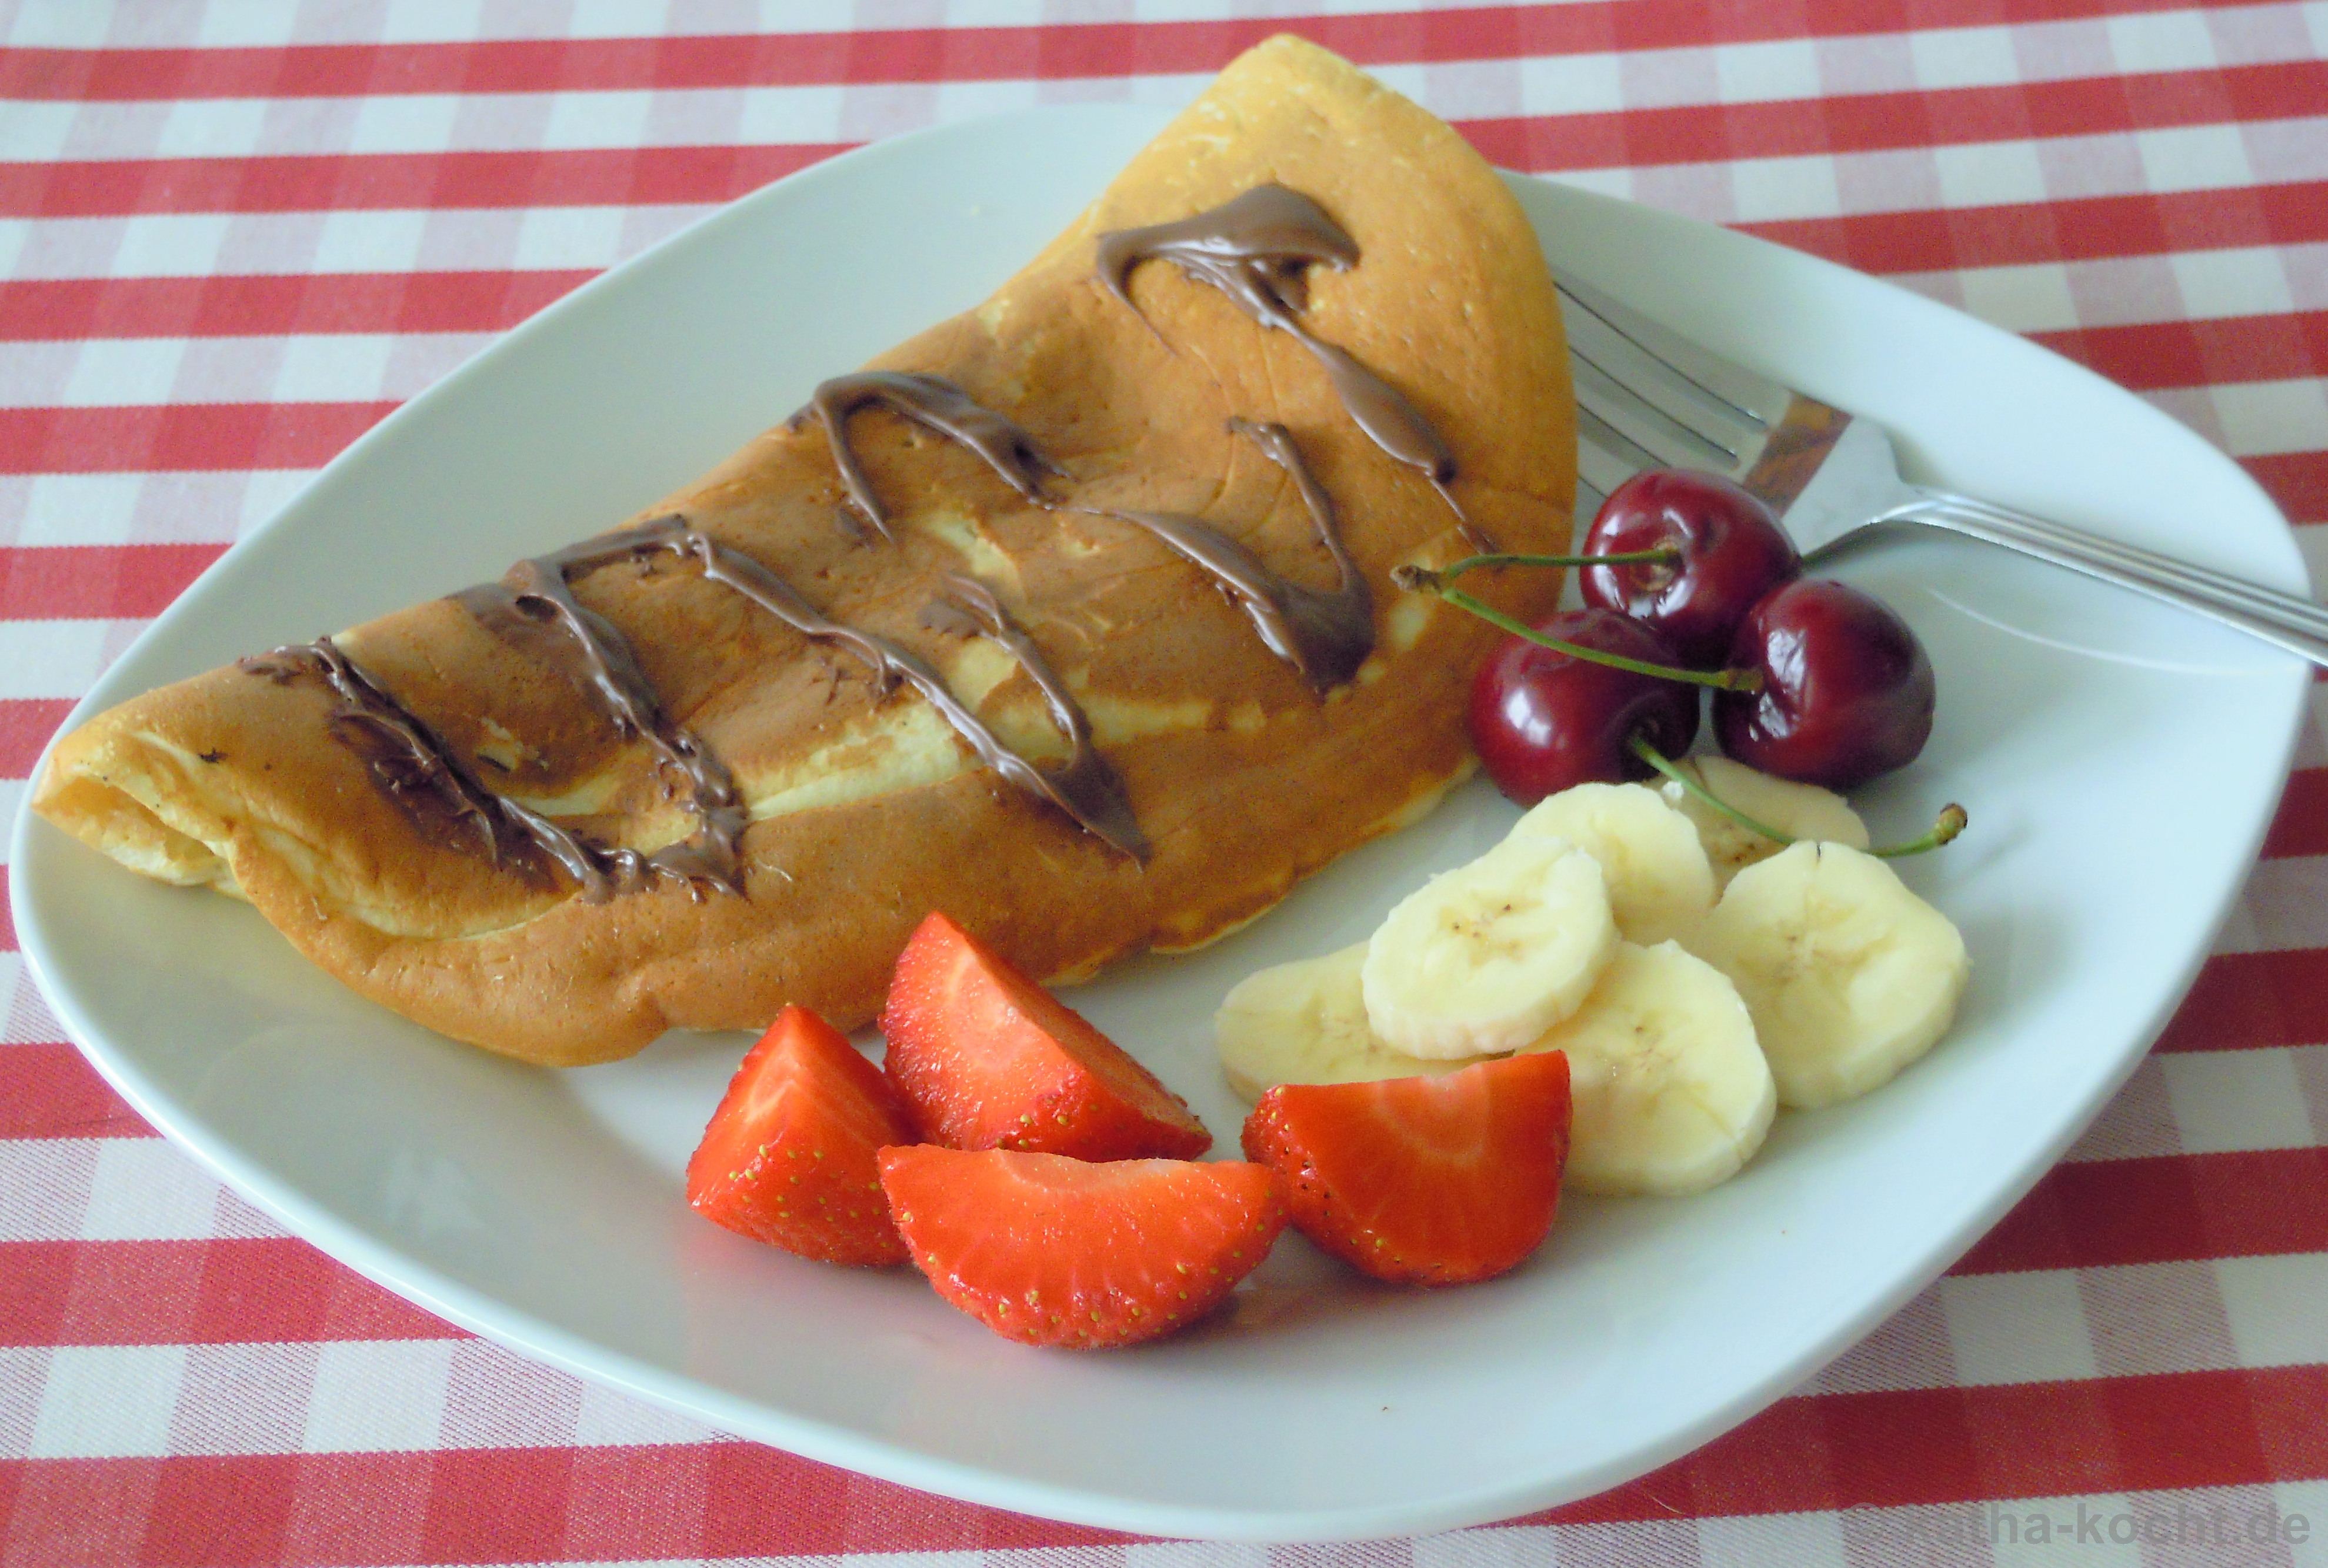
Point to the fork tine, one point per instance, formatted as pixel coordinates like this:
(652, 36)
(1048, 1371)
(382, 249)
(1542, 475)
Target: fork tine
(1645, 428)
(1604, 460)
(1603, 455)
(1589, 498)
(1647, 398)
(1677, 399)
(1646, 354)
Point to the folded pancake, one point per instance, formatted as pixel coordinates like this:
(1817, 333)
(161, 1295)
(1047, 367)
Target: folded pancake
(1072, 616)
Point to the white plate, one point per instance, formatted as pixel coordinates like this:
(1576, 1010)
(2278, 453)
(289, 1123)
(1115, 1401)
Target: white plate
(2119, 763)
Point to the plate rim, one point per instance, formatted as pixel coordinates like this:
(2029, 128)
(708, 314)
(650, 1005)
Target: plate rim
(526, 1334)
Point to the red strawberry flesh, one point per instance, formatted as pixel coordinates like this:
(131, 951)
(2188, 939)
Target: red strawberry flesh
(1051, 1251)
(986, 1058)
(1431, 1181)
(789, 1156)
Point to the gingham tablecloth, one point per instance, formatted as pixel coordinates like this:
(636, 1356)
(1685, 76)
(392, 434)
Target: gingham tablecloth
(234, 234)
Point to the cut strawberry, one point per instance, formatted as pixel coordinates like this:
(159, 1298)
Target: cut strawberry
(986, 1058)
(1050, 1251)
(788, 1158)
(1429, 1181)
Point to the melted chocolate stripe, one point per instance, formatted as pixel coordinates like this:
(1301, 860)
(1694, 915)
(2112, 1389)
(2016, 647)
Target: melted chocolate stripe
(1086, 790)
(1339, 626)
(538, 590)
(934, 404)
(1326, 635)
(1256, 249)
(421, 763)
(969, 607)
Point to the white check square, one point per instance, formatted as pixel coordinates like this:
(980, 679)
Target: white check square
(2194, 158)
(377, 1395)
(2275, 1308)
(1964, 56)
(1760, 72)
(143, 1190)
(2018, 1328)
(107, 1402)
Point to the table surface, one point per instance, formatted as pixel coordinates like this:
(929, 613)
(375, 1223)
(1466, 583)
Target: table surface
(233, 235)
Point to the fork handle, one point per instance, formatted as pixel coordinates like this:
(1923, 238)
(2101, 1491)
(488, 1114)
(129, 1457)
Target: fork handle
(2284, 620)
(2270, 603)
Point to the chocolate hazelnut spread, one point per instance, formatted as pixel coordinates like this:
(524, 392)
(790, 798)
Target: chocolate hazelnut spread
(1086, 789)
(414, 767)
(934, 404)
(420, 773)
(1325, 635)
(1086, 785)
(1257, 249)
(537, 593)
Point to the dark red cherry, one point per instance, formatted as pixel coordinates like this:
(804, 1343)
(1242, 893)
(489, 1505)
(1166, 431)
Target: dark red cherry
(1543, 720)
(1846, 690)
(1733, 552)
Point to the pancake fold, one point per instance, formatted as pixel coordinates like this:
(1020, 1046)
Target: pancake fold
(1072, 616)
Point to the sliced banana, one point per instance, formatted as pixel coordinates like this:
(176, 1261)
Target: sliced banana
(1306, 1023)
(1660, 882)
(1672, 1092)
(1481, 960)
(1849, 975)
(1799, 811)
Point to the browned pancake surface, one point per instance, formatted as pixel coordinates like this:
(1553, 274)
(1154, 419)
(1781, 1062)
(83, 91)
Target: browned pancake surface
(869, 811)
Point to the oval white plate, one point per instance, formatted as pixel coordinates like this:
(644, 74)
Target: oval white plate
(2119, 762)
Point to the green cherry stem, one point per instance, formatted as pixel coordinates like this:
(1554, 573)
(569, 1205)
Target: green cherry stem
(1416, 577)
(1952, 821)
(1719, 679)
(1640, 746)
(1953, 818)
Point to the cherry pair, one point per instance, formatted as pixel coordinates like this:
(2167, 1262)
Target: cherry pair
(1689, 581)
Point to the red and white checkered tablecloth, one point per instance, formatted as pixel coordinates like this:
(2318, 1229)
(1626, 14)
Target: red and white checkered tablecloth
(234, 233)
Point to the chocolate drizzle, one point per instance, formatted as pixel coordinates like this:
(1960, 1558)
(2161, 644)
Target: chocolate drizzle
(418, 772)
(1257, 249)
(1086, 789)
(536, 594)
(1325, 635)
(934, 404)
(968, 607)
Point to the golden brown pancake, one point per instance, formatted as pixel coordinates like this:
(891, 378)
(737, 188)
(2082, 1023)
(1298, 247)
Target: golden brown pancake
(867, 808)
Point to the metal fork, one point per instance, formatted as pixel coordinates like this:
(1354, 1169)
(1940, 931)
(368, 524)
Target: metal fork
(1646, 398)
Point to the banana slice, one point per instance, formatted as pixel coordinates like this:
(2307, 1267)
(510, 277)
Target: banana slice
(1660, 882)
(1849, 975)
(1799, 811)
(1672, 1092)
(1306, 1023)
(1481, 960)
